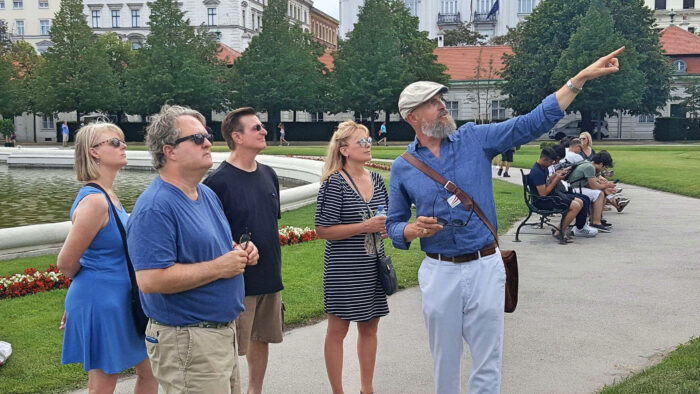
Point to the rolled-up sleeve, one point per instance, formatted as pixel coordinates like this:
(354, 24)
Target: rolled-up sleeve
(399, 208)
(499, 137)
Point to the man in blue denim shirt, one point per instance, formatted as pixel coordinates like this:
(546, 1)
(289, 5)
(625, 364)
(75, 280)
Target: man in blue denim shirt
(462, 277)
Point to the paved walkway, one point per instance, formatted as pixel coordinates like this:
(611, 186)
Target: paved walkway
(589, 313)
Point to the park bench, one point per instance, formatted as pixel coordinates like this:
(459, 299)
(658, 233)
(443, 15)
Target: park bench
(545, 216)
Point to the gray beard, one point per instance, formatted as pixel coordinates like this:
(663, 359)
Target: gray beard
(439, 129)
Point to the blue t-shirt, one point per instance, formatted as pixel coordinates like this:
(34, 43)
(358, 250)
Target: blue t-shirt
(64, 129)
(382, 129)
(536, 177)
(166, 227)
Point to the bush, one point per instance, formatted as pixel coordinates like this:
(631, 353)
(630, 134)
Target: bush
(548, 144)
(676, 129)
(7, 126)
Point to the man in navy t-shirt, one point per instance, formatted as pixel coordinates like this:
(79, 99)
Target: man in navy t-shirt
(187, 268)
(253, 213)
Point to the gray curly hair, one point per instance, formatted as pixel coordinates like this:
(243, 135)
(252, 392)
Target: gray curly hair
(162, 130)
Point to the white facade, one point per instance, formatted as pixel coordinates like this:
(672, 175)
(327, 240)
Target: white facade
(29, 20)
(234, 22)
(436, 16)
(682, 13)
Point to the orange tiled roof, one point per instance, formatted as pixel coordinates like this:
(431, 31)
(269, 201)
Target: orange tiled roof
(462, 62)
(677, 41)
(227, 54)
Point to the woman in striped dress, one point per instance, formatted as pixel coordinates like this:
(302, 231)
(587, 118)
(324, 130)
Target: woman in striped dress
(352, 291)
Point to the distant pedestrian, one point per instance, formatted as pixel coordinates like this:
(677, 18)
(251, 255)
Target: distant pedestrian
(382, 134)
(13, 138)
(506, 159)
(64, 134)
(282, 134)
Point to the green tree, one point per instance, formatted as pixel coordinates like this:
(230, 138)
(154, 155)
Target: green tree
(6, 71)
(5, 42)
(383, 53)
(691, 101)
(75, 76)
(507, 39)
(119, 56)
(177, 64)
(280, 69)
(541, 49)
(463, 35)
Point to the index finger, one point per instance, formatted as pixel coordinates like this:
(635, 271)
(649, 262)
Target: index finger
(426, 220)
(614, 53)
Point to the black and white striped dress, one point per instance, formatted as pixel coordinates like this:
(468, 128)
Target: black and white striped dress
(351, 287)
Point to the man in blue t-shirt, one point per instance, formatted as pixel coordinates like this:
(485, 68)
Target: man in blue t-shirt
(253, 213)
(382, 134)
(187, 268)
(64, 134)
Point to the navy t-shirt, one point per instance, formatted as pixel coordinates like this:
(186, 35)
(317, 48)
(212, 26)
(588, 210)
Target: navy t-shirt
(167, 227)
(251, 202)
(538, 176)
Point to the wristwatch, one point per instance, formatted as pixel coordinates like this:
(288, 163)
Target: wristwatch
(573, 88)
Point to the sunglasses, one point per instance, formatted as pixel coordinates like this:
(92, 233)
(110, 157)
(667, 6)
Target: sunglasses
(115, 142)
(198, 139)
(365, 142)
(453, 223)
(244, 239)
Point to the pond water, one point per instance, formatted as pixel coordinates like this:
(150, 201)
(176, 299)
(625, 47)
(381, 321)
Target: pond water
(42, 195)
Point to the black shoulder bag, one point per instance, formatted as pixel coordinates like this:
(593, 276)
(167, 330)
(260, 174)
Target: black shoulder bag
(140, 318)
(385, 268)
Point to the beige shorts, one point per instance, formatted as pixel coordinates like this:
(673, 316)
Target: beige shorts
(262, 320)
(194, 359)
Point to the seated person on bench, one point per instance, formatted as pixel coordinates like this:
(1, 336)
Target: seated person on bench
(543, 185)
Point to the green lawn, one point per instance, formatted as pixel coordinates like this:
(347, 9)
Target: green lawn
(678, 373)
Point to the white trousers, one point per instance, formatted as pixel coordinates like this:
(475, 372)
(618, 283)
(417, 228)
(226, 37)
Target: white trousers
(464, 301)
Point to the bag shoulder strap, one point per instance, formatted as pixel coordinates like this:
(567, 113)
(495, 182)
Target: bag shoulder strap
(369, 210)
(122, 232)
(450, 186)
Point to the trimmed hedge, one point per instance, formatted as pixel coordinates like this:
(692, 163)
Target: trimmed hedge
(676, 129)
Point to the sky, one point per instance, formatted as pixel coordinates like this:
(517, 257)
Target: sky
(330, 7)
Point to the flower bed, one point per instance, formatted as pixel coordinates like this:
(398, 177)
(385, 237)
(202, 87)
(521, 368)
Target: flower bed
(32, 281)
(383, 166)
(293, 235)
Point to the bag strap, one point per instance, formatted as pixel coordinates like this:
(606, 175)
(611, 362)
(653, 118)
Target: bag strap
(122, 232)
(369, 210)
(450, 186)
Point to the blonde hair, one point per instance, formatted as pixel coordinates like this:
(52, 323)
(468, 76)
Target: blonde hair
(334, 159)
(588, 137)
(87, 167)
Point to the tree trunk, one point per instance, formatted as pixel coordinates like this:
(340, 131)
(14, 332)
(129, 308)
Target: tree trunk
(371, 124)
(587, 121)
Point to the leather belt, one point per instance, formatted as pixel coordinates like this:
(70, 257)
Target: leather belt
(201, 324)
(463, 258)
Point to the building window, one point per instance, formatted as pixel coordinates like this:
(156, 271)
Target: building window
(688, 4)
(646, 118)
(259, 22)
(660, 5)
(2, 4)
(44, 26)
(115, 18)
(43, 3)
(448, 7)
(95, 18)
(677, 111)
(211, 16)
(317, 117)
(19, 28)
(498, 110)
(135, 45)
(691, 29)
(679, 66)
(17, 4)
(526, 6)
(47, 122)
(135, 16)
(243, 18)
(484, 6)
(452, 108)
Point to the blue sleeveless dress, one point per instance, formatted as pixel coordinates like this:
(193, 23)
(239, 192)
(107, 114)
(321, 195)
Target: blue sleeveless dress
(100, 331)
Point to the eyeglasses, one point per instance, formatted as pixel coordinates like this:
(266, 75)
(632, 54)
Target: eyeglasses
(115, 142)
(453, 223)
(364, 142)
(197, 138)
(257, 127)
(244, 239)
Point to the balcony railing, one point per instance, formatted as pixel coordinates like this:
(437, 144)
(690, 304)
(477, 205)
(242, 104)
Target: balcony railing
(449, 19)
(484, 17)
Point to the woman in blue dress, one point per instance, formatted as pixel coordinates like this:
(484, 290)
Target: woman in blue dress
(99, 328)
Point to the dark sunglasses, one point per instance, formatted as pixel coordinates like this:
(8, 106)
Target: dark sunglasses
(453, 223)
(244, 239)
(115, 142)
(198, 139)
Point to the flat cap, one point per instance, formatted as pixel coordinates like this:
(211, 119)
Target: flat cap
(416, 94)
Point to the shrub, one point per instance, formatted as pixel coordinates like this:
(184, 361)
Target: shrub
(676, 129)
